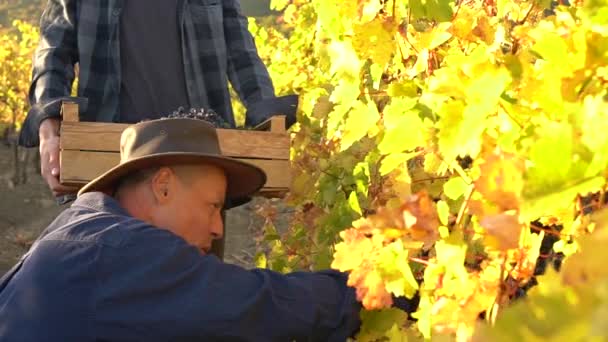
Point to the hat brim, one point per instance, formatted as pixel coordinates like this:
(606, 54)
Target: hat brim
(243, 179)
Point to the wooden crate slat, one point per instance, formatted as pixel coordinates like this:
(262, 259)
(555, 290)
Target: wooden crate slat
(254, 144)
(79, 167)
(98, 136)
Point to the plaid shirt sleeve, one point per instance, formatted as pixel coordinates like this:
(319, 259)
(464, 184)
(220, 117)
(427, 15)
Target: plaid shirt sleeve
(53, 67)
(246, 71)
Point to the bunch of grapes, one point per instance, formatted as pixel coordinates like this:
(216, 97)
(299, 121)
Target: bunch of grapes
(199, 114)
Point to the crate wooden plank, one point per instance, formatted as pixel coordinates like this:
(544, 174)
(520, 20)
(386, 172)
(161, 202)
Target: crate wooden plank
(79, 167)
(98, 136)
(69, 111)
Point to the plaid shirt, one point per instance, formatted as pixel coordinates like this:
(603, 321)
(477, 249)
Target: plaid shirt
(216, 46)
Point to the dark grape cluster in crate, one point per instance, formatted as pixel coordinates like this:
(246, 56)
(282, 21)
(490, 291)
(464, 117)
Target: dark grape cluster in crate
(200, 114)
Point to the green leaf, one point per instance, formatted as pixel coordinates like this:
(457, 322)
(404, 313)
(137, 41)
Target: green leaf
(322, 259)
(455, 188)
(395, 334)
(376, 324)
(362, 174)
(260, 260)
(278, 5)
(360, 120)
(353, 201)
(405, 89)
(438, 10)
(329, 190)
(443, 211)
(544, 4)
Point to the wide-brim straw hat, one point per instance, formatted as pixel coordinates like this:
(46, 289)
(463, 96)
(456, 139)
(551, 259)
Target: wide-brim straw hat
(166, 142)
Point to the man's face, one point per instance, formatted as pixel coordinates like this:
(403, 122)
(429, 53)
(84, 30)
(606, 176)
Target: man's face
(193, 204)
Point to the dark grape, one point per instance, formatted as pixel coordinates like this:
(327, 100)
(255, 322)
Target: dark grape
(200, 114)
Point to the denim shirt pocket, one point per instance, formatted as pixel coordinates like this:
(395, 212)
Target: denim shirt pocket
(208, 23)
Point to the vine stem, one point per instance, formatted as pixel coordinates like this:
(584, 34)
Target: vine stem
(527, 15)
(462, 174)
(457, 9)
(465, 205)
(496, 305)
(409, 17)
(521, 126)
(421, 261)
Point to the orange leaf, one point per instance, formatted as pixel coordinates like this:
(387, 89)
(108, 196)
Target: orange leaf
(501, 181)
(505, 228)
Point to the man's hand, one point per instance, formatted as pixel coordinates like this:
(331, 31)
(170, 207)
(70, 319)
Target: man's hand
(284, 105)
(49, 156)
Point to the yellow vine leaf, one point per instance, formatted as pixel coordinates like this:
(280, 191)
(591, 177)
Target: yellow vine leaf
(361, 118)
(344, 61)
(401, 121)
(375, 40)
(353, 251)
(393, 263)
(368, 10)
(375, 253)
(455, 188)
(435, 37)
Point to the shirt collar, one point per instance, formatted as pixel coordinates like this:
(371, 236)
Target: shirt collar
(100, 202)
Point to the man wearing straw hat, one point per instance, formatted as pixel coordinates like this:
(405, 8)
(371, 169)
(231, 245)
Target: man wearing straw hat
(128, 260)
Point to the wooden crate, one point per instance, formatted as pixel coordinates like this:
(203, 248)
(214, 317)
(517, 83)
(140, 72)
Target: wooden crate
(88, 149)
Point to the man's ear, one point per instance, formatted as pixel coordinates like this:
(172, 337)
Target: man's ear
(162, 185)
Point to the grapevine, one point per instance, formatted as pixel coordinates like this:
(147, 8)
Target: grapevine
(451, 146)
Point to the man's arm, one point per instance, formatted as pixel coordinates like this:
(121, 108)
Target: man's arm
(246, 71)
(53, 74)
(53, 67)
(156, 287)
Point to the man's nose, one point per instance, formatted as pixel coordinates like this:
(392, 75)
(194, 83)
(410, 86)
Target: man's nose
(217, 228)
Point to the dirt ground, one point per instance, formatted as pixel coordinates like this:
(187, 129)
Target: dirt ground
(25, 210)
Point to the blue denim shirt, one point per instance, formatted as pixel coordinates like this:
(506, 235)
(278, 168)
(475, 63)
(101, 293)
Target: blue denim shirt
(98, 274)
